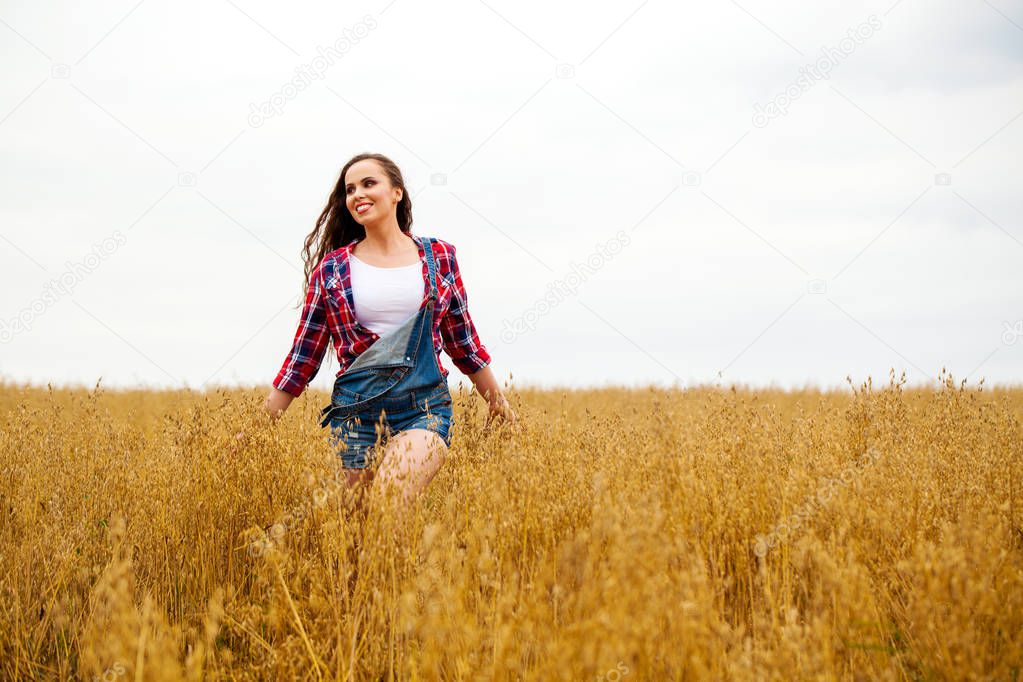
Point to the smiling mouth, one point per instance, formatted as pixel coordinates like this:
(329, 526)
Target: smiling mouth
(362, 208)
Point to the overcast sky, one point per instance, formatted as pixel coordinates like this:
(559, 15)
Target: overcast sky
(768, 193)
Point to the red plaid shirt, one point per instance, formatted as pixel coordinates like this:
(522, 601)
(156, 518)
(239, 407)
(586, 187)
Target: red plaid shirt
(329, 316)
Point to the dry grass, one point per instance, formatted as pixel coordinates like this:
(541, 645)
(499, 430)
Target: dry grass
(875, 533)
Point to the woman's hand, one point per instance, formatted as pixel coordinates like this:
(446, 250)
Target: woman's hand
(486, 385)
(274, 406)
(276, 403)
(500, 407)
(235, 445)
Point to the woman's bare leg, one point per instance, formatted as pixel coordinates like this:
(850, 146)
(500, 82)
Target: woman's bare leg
(358, 483)
(410, 461)
(356, 478)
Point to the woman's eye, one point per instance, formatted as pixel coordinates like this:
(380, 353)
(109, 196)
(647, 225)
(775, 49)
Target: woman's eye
(368, 183)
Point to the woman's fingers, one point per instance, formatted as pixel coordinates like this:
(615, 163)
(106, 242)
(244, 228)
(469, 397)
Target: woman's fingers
(502, 409)
(234, 447)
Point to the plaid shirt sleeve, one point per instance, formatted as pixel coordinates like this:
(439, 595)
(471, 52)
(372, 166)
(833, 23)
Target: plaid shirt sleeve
(311, 341)
(458, 332)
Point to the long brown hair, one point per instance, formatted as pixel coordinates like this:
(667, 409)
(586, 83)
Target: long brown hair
(336, 227)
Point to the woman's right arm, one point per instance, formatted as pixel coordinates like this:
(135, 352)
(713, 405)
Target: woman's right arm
(277, 402)
(307, 350)
(303, 361)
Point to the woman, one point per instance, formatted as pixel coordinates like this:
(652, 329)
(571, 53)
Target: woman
(389, 302)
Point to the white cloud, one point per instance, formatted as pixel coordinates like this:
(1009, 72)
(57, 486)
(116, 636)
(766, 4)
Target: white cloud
(540, 168)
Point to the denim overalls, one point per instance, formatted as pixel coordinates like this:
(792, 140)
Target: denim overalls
(393, 386)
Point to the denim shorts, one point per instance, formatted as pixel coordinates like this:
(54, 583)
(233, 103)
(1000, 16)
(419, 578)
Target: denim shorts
(361, 436)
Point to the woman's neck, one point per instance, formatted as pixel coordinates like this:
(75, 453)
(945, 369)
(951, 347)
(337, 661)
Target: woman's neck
(385, 242)
(390, 250)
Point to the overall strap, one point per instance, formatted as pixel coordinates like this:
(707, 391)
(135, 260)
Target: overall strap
(431, 267)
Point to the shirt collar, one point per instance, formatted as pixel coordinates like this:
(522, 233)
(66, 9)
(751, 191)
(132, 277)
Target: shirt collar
(347, 248)
(346, 252)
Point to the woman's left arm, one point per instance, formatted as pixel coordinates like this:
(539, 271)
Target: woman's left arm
(486, 383)
(463, 345)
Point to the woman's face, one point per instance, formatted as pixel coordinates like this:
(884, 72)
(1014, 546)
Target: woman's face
(368, 188)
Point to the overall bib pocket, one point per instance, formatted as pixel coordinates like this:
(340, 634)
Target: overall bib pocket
(358, 390)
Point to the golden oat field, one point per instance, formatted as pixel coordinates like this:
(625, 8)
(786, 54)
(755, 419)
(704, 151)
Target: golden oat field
(715, 533)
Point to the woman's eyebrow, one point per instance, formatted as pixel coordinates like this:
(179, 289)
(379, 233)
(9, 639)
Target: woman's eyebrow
(368, 177)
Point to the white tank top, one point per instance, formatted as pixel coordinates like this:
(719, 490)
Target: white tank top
(386, 297)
